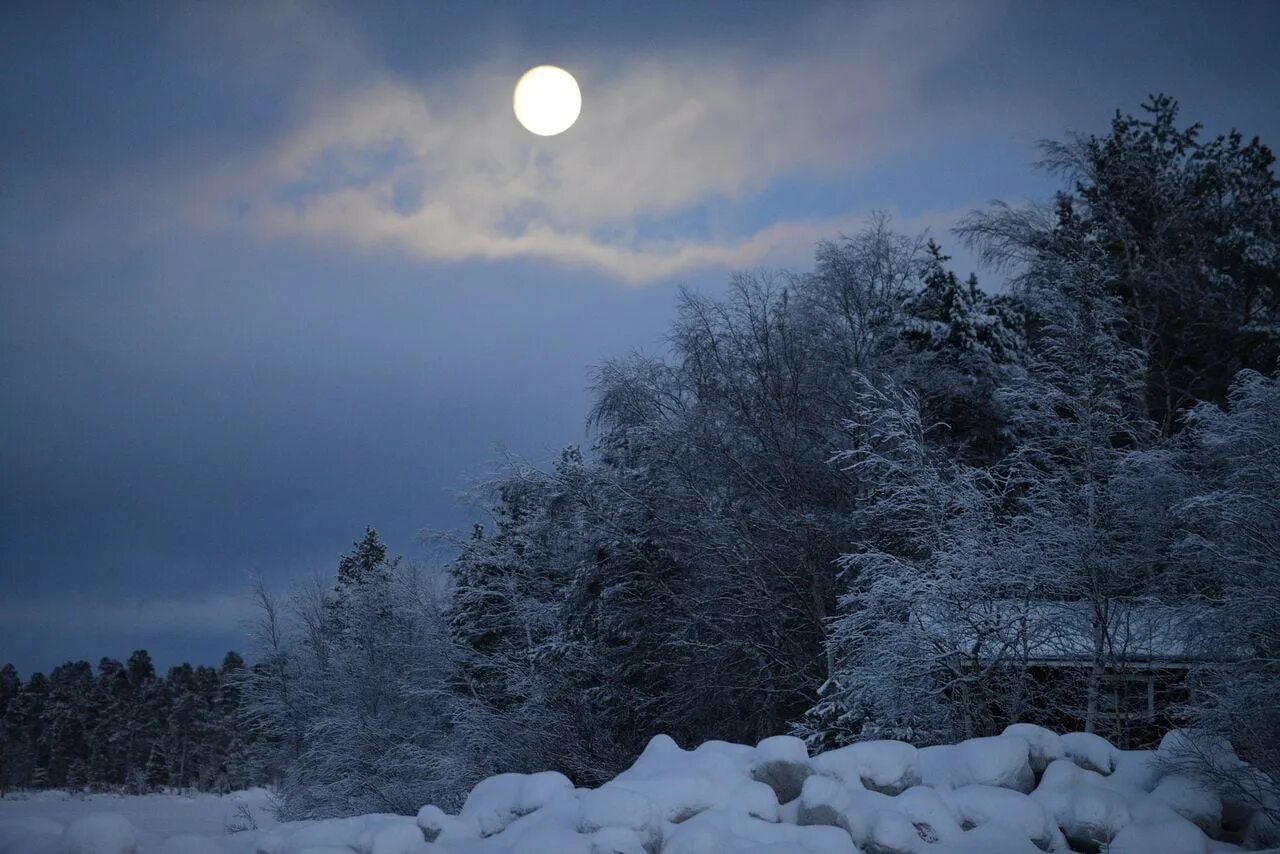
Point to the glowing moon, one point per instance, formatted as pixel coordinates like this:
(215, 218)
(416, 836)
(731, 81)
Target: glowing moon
(547, 100)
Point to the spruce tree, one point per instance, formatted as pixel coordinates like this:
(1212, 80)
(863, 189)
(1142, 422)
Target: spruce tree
(367, 561)
(1187, 237)
(962, 346)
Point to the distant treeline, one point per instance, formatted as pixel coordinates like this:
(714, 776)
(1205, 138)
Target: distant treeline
(125, 727)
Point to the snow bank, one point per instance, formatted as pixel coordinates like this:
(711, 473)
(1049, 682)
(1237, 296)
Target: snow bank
(1003, 761)
(496, 802)
(888, 767)
(1090, 751)
(1025, 791)
(1044, 745)
(1089, 813)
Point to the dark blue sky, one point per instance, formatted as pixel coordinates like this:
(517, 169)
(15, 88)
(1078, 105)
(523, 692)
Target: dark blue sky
(273, 272)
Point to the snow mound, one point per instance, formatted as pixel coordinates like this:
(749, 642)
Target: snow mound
(782, 763)
(1089, 813)
(1002, 760)
(1045, 745)
(496, 802)
(1026, 791)
(1090, 751)
(980, 806)
(888, 767)
(1190, 800)
(399, 839)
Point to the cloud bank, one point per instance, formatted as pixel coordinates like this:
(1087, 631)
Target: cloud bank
(649, 182)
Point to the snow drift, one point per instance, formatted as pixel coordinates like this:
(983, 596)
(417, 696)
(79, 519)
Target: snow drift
(1023, 792)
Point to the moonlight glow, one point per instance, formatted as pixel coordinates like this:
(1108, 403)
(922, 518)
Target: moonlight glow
(547, 100)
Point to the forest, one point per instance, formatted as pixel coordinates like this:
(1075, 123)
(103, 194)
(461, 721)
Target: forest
(868, 500)
(126, 728)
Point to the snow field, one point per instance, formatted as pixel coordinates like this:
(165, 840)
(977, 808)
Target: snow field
(166, 823)
(1026, 791)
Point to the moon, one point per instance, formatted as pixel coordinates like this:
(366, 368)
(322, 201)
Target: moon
(547, 100)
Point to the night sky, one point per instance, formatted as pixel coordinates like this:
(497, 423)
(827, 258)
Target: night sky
(272, 272)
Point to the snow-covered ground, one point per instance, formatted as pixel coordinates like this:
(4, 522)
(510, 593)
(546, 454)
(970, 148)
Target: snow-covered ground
(1027, 791)
(26, 817)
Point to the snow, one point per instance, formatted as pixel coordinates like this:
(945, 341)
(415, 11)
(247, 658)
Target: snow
(496, 802)
(1168, 835)
(1025, 791)
(1136, 771)
(782, 763)
(1191, 801)
(1088, 812)
(399, 839)
(1001, 760)
(1089, 751)
(979, 806)
(1045, 745)
(100, 833)
(28, 821)
(888, 767)
(186, 843)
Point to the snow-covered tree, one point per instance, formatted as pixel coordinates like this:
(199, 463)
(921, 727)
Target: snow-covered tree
(19, 728)
(961, 346)
(697, 543)
(64, 733)
(367, 562)
(547, 678)
(934, 631)
(1080, 412)
(1187, 233)
(353, 692)
(1233, 534)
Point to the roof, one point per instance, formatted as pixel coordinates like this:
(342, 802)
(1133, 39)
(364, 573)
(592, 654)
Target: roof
(1137, 632)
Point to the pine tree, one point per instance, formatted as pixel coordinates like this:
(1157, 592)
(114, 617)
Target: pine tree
(108, 740)
(1187, 234)
(77, 775)
(233, 744)
(29, 723)
(14, 739)
(70, 686)
(125, 729)
(366, 562)
(962, 346)
(157, 769)
(10, 686)
(145, 712)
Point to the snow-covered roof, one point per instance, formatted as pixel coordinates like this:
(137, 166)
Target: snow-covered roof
(1138, 632)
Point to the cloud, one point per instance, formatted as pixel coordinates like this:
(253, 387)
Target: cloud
(646, 186)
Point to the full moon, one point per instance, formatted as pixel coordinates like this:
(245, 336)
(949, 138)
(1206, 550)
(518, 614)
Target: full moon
(547, 100)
